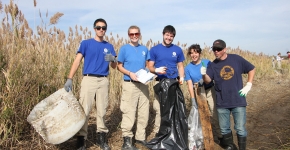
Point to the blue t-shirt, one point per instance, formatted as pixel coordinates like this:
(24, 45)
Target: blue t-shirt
(192, 72)
(168, 57)
(133, 58)
(94, 56)
(227, 75)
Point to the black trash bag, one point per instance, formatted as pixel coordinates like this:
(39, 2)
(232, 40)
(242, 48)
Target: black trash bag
(173, 132)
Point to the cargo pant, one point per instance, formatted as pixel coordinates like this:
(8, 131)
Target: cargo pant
(94, 90)
(135, 98)
(156, 107)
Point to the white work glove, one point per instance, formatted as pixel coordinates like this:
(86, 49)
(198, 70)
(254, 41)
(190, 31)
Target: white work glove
(246, 89)
(181, 80)
(203, 70)
(160, 70)
(193, 103)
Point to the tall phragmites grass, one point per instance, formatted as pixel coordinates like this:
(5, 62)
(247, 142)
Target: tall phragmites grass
(36, 64)
(1, 7)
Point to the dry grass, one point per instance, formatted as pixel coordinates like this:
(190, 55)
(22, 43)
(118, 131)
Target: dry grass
(34, 65)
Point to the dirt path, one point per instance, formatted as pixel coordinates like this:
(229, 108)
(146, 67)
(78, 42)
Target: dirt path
(268, 121)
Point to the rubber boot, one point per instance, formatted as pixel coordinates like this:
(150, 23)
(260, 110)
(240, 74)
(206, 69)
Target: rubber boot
(127, 145)
(102, 141)
(227, 142)
(81, 143)
(242, 143)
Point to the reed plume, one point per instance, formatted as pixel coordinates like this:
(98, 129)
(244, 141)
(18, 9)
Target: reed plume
(54, 19)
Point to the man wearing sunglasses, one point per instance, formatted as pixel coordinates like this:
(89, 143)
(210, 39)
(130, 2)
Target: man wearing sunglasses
(97, 55)
(226, 71)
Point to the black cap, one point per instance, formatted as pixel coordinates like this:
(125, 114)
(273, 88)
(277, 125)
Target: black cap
(219, 44)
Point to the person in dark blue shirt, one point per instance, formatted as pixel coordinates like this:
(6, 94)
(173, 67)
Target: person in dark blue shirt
(226, 71)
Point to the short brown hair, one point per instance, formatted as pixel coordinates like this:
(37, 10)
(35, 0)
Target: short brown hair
(134, 27)
(169, 29)
(100, 20)
(195, 48)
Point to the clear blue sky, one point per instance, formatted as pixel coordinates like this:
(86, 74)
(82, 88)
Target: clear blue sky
(253, 25)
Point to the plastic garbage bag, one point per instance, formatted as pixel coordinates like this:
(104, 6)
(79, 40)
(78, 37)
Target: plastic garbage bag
(195, 136)
(173, 131)
(58, 117)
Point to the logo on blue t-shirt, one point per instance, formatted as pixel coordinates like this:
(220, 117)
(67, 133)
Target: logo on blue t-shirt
(173, 54)
(106, 51)
(143, 53)
(227, 72)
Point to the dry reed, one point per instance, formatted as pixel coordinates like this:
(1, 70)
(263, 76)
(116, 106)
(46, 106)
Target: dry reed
(33, 66)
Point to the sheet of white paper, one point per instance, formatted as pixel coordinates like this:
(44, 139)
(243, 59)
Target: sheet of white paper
(143, 76)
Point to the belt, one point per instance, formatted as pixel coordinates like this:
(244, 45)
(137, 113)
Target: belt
(94, 75)
(131, 81)
(208, 87)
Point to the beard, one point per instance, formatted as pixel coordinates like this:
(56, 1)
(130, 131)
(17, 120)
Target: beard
(166, 43)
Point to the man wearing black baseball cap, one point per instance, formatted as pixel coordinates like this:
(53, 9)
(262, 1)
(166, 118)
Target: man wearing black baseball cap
(218, 48)
(226, 71)
(219, 44)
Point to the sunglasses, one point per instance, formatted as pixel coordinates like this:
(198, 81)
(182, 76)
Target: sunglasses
(217, 49)
(100, 27)
(132, 34)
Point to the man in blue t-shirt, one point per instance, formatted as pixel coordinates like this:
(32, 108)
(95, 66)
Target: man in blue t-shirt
(97, 55)
(166, 60)
(135, 95)
(226, 71)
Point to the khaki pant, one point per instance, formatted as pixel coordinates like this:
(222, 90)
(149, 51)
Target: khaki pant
(135, 98)
(210, 96)
(156, 107)
(94, 89)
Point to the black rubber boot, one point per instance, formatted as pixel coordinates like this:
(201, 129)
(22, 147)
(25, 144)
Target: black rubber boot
(81, 143)
(127, 145)
(102, 141)
(227, 142)
(242, 143)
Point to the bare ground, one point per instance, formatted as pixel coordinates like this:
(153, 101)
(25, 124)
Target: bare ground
(268, 122)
